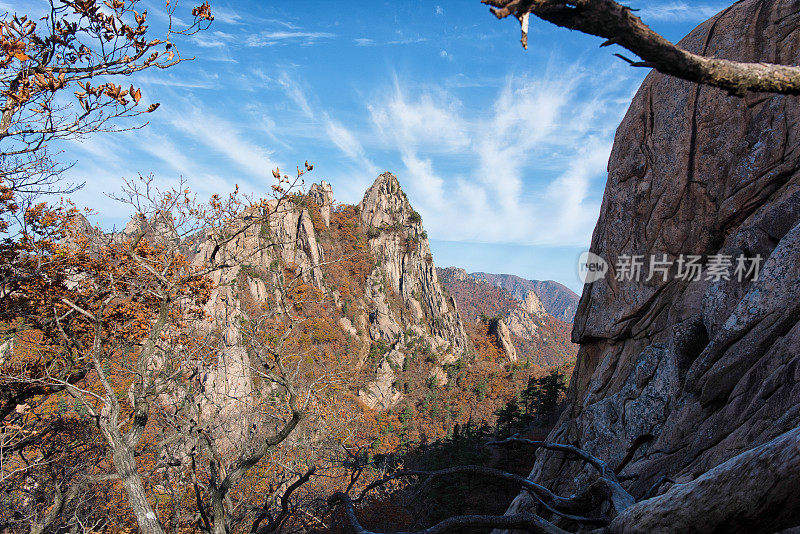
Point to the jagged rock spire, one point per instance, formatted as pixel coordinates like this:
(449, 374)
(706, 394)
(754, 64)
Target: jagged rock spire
(322, 194)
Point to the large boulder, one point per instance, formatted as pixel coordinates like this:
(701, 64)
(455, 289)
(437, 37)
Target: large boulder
(700, 371)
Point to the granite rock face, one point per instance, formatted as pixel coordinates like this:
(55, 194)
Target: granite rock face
(381, 393)
(402, 297)
(701, 370)
(559, 300)
(322, 194)
(533, 305)
(499, 330)
(400, 246)
(404, 291)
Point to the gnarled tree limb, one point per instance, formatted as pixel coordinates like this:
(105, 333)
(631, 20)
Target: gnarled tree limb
(526, 521)
(618, 25)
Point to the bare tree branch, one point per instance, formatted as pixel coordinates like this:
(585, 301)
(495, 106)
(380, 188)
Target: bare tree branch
(530, 522)
(618, 25)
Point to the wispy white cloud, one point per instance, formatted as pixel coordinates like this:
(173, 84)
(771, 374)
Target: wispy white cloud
(215, 39)
(271, 38)
(363, 41)
(33, 11)
(337, 133)
(296, 94)
(680, 11)
(224, 138)
(404, 38)
(166, 151)
(344, 139)
(432, 120)
(203, 81)
(488, 177)
(226, 15)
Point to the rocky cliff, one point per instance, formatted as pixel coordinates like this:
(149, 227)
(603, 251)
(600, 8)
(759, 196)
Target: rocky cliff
(699, 370)
(499, 329)
(404, 261)
(368, 271)
(405, 290)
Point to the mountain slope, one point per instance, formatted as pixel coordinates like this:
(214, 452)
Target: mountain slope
(538, 338)
(558, 300)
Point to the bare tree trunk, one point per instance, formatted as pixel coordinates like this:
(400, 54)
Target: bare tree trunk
(220, 525)
(125, 464)
(61, 500)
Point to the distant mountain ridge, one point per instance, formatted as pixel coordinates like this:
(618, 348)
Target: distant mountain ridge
(537, 337)
(558, 300)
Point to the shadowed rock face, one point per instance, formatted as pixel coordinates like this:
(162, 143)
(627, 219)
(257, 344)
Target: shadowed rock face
(709, 368)
(499, 330)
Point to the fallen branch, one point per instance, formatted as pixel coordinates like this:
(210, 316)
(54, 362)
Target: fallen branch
(754, 492)
(606, 486)
(549, 500)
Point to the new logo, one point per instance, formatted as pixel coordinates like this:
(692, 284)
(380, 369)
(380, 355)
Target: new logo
(591, 267)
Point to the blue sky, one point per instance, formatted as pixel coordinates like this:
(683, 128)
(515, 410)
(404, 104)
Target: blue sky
(502, 151)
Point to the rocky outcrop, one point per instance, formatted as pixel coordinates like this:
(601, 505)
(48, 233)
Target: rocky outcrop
(521, 324)
(403, 290)
(555, 299)
(400, 300)
(702, 370)
(533, 305)
(322, 194)
(537, 337)
(400, 246)
(498, 328)
(454, 273)
(264, 239)
(559, 300)
(381, 393)
(384, 326)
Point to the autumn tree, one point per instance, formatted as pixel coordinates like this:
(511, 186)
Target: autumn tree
(49, 68)
(49, 65)
(207, 407)
(116, 322)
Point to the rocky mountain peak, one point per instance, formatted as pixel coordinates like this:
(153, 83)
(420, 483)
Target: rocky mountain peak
(556, 299)
(404, 263)
(533, 305)
(386, 205)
